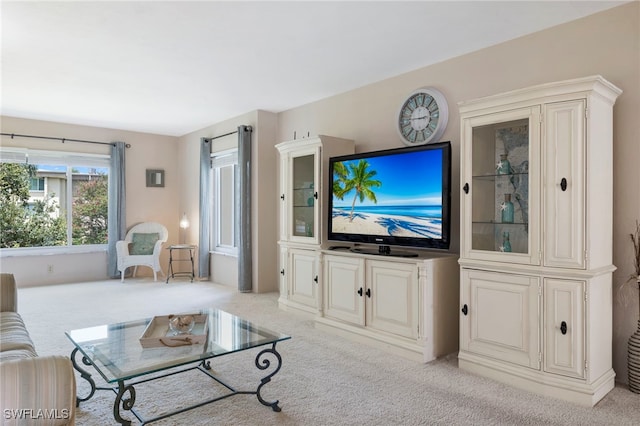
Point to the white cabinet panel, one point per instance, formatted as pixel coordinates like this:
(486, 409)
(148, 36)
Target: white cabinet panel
(564, 183)
(303, 279)
(392, 297)
(564, 327)
(502, 316)
(344, 278)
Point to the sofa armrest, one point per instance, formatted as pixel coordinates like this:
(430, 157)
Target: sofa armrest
(38, 391)
(8, 293)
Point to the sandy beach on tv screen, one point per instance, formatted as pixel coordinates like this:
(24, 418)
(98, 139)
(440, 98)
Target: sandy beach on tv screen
(397, 226)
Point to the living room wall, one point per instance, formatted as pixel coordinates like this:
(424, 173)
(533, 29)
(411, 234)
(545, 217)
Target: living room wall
(607, 43)
(144, 204)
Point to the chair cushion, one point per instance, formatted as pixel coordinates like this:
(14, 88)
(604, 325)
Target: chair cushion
(142, 244)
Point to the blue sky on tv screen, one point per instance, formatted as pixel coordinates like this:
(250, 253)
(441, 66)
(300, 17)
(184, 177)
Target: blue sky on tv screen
(408, 179)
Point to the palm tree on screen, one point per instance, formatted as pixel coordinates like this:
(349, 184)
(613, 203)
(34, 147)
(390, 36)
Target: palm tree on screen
(360, 180)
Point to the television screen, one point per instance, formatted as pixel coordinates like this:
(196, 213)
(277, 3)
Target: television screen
(392, 197)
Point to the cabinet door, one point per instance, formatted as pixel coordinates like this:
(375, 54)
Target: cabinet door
(564, 327)
(344, 289)
(564, 184)
(500, 316)
(303, 279)
(392, 297)
(304, 206)
(500, 179)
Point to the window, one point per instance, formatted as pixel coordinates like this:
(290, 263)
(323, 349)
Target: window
(52, 198)
(36, 184)
(224, 168)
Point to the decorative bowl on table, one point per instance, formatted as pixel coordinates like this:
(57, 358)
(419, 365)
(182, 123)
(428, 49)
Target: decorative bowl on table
(181, 324)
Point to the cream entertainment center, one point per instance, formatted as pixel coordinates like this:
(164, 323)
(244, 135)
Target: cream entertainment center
(403, 301)
(536, 238)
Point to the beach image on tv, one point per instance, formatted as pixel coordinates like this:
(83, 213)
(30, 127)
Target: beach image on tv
(395, 195)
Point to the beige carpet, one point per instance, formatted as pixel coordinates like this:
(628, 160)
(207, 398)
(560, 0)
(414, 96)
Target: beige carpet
(324, 380)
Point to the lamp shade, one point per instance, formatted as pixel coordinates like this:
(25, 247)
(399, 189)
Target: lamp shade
(184, 222)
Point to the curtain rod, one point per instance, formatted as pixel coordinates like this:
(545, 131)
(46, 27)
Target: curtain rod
(63, 140)
(221, 136)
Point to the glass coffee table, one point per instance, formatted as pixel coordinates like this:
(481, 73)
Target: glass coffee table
(116, 353)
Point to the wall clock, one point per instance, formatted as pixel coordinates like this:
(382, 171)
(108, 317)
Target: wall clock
(423, 117)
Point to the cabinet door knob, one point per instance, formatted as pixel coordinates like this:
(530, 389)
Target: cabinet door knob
(563, 327)
(315, 195)
(466, 188)
(360, 292)
(281, 271)
(563, 184)
(282, 197)
(315, 279)
(465, 309)
(369, 293)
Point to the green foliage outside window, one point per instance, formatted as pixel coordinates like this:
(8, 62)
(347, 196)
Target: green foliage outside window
(90, 208)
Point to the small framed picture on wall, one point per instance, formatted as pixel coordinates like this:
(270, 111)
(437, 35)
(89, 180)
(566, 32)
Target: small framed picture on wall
(155, 178)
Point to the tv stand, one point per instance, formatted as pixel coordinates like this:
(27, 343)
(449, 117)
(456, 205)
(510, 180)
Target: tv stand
(384, 251)
(408, 306)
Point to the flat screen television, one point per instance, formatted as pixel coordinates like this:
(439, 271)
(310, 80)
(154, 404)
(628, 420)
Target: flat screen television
(395, 197)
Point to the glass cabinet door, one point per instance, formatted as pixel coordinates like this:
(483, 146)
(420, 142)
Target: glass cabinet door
(304, 196)
(503, 155)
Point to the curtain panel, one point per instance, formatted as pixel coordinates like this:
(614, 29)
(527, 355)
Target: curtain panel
(116, 215)
(243, 210)
(205, 208)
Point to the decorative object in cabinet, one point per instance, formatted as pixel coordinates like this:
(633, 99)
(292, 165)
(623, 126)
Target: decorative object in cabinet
(536, 238)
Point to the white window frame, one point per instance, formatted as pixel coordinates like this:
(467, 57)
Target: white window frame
(221, 159)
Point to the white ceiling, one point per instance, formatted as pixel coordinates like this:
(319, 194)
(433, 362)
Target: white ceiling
(175, 67)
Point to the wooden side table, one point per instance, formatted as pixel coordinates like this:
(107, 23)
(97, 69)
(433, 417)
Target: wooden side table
(181, 248)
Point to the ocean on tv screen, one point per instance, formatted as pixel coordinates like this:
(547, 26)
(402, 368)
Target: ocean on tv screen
(397, 221)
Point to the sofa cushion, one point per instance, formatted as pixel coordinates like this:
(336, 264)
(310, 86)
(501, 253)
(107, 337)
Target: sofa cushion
(143, 244)
(14, 354)
(13, 333)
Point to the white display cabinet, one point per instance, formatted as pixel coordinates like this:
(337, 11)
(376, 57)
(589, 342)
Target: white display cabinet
(536, 238)
(303, 196)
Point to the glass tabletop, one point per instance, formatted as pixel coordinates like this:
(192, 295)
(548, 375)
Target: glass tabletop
(116, 352)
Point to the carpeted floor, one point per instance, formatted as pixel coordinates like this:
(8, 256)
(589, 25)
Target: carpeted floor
(324, 380)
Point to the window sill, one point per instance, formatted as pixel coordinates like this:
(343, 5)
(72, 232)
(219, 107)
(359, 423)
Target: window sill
(223, 253)
(50, 251)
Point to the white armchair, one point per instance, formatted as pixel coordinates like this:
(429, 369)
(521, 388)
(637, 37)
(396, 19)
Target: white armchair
(141, 247)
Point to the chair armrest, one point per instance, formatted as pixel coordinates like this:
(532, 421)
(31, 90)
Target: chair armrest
(45, 383)
(122, 248)
(157, 247)
(8, 293)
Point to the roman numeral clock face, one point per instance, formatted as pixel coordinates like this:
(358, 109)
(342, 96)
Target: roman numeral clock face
(423, 117)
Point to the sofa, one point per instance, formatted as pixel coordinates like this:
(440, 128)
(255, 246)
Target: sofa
(34, 390)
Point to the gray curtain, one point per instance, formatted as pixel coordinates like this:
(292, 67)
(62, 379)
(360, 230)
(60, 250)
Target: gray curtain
(205, 208)
(243, 210)
(117, 226)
